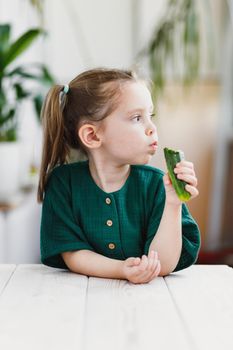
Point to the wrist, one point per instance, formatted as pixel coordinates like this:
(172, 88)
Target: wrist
(173, 205)
(121, 269)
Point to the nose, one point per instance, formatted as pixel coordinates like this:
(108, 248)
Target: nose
(149, 132)
(150, 129)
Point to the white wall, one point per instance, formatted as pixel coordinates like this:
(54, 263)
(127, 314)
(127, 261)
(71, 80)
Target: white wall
(87, 33)
(82, 33)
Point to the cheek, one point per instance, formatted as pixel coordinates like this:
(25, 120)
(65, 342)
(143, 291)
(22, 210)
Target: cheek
(127, 138)
(124, 135)
(116, 133)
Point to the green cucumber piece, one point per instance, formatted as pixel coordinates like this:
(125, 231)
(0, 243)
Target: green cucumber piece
(173, 157)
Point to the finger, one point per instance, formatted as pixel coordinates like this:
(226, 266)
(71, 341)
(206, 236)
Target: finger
(157, 270)
(132, 261)
(192, 190)
(151, 258)
(166, 179)
(136, 261)
(145, 276)
(184, 170)
(143, 264)
(185, 163)
(149, 272)
(191, 180)
(139, 270)
(154, 274)
(155, 264)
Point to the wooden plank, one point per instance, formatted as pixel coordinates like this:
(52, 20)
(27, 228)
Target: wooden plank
(121, 315)
(203, 295)
(42, 308)
(6, 272)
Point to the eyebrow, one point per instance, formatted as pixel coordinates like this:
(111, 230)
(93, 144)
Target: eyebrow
(139, 109)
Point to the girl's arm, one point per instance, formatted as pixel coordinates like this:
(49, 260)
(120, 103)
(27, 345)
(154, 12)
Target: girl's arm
(168, 238)
(135, 270)
(90, 263)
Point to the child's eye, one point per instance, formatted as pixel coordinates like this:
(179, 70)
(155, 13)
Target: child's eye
(137, 118)
(152, 115)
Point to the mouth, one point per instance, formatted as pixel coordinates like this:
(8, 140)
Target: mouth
(154, 145)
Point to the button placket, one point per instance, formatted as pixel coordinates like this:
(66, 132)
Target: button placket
(109, 223)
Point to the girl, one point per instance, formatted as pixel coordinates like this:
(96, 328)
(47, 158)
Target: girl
(111, 215)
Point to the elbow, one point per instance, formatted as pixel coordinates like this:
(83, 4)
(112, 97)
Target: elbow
(167, 269)
(71, 260)
(164, 273)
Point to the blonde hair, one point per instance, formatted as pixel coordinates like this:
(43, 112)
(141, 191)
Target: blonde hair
(90, 97)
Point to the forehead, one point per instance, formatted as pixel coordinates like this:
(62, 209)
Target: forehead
(135, 95)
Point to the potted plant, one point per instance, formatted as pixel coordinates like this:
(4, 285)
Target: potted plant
(175, 44)
(15, 87)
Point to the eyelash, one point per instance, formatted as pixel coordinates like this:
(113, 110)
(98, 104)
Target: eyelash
(139, 116)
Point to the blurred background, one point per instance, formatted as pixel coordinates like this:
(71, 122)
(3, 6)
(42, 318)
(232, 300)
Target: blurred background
(184, 46)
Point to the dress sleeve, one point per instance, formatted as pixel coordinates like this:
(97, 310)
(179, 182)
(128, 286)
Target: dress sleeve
(191, 240)
(190, 231)
(60, 231)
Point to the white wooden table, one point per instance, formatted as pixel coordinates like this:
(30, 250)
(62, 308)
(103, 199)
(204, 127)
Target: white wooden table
(44, 308)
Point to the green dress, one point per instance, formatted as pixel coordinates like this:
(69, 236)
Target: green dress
(77, 214)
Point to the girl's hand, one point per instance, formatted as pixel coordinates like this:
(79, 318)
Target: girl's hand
(184, 170)
(142, 270)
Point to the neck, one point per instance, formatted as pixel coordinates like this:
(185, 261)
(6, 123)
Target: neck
(109, 176)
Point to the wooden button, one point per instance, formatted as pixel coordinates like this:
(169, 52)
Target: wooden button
(108, 201)
(109, 222)
(111, 246)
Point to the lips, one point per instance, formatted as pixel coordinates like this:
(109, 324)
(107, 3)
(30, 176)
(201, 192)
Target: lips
(154, 146)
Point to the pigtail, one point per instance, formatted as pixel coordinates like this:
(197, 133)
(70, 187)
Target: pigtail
(55, 148)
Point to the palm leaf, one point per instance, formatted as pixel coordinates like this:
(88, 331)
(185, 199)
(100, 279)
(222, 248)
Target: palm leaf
(38, 101)
(4, 41)
(4, 36)
(40, 73)
(9, 116)
(20, 45)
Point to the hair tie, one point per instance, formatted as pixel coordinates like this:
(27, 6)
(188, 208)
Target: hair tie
(63, 92)
(66, 88)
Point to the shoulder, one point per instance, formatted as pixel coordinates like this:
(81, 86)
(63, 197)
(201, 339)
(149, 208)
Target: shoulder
(62, 174)
(66, 170)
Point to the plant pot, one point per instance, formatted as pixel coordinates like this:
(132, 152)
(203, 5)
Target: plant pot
(9, 170)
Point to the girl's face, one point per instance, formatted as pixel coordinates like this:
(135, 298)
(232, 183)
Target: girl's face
(129, 132)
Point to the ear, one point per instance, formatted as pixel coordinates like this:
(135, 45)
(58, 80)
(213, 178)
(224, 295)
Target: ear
(88, 136)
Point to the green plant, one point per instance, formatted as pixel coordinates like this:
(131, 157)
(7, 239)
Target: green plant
(176, 38)
(16, 82)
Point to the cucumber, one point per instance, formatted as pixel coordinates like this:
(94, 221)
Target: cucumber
(173, 157)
